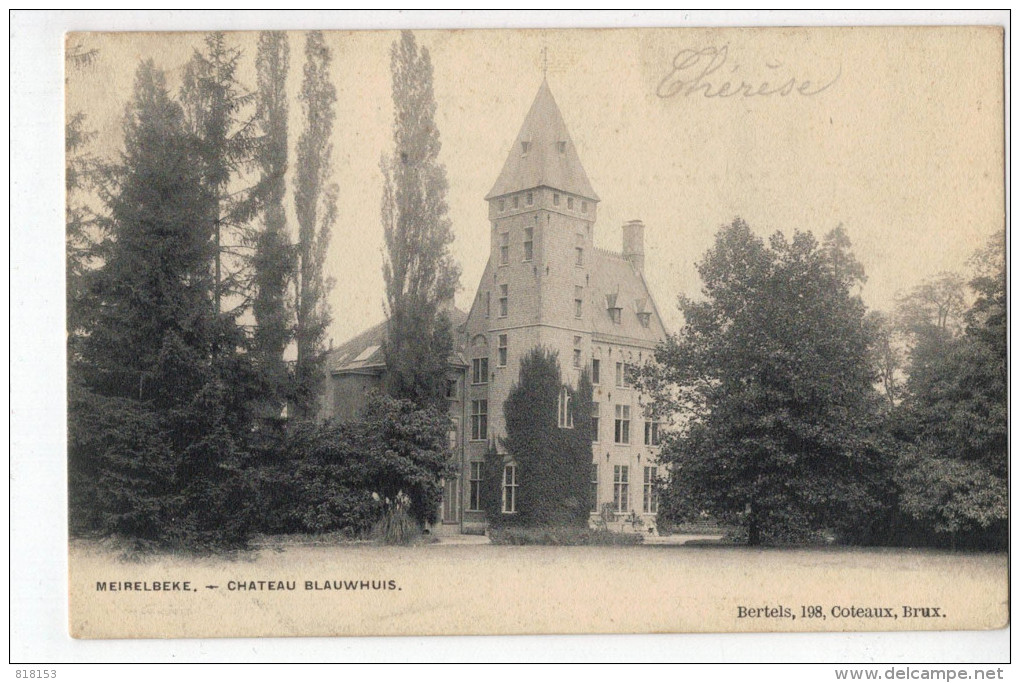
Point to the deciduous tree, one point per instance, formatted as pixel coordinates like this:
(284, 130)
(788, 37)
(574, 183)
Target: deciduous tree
(772, 376)
(420, 274)
(315, 199)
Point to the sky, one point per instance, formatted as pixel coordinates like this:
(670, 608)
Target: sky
(895, 133)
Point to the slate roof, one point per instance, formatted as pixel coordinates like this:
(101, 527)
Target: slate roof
(615, 282)
(364, 352)
(544, 164)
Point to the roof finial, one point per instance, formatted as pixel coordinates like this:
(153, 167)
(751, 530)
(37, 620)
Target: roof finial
(545, 62)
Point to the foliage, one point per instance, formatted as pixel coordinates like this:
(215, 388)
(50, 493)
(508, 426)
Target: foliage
(397, 527)
(154, 433)
(561, 535)
(272, 262)
(335, 476)
(315, 199)
(215, 104)
(953, 423)
(553, 463)
(772, 369)
(419, 271)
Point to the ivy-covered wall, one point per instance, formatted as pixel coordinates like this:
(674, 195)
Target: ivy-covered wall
(553, 461)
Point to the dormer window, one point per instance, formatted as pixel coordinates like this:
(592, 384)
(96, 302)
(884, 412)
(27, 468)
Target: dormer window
(524, 147)
(645, 318)
(562, 146)
(616, 314)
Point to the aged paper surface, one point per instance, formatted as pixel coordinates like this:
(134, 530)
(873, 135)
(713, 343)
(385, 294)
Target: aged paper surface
(897, 133)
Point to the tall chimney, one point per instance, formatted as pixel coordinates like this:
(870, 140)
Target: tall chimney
(634, 243)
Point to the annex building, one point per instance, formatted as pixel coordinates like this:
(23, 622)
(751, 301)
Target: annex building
(545, 284)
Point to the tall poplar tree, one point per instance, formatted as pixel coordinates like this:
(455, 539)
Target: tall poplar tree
(315, 199)
(420, 273)
(273, 259)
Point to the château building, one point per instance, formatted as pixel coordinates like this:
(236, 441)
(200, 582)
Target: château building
(545, 284)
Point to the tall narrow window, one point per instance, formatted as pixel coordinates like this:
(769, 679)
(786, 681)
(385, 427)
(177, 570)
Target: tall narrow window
(525, 146)
(621, 488)
(566, 414)
(556, 199)
(570, 202)
(596, 371)
(584, 207)
(594, 422)
(479, 420)
(454, 434)
(625, 375)
(621, 431)
(531, 198)
(651, 433)
(504, 248)
(651, 491)
(509, 489)
(488, 303)
(594, 487)
(501, 351)
(504, 296)
(475, 487)
(577, 352)
(529, 243)
(480, 371)
(502, 205)
(578, 301)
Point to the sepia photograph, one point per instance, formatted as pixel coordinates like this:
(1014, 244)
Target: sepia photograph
(536, 331)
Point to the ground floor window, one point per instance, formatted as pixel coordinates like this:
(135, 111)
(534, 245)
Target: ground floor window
(510, 489)
(594, 487)
(621, 488)
(651, 497)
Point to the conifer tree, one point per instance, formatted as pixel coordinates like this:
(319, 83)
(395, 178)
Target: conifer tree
(150, 427)
(215, 105)
(79, 177)
(315, 200)
(420, 274)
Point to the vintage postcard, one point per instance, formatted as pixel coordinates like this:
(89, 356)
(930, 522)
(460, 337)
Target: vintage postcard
(536, 331)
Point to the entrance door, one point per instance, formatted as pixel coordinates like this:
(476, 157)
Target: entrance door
(450, 489)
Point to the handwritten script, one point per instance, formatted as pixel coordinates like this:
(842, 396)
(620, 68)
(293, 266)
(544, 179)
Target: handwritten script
(709, 73)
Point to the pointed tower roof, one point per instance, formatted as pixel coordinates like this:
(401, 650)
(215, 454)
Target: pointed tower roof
(543, 154)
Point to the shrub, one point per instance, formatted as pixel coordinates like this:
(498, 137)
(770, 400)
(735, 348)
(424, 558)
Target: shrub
(397, 527)
(319, 477)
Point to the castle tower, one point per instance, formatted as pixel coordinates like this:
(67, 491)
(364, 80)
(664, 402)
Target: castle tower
(546, 285)
(542, 211)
